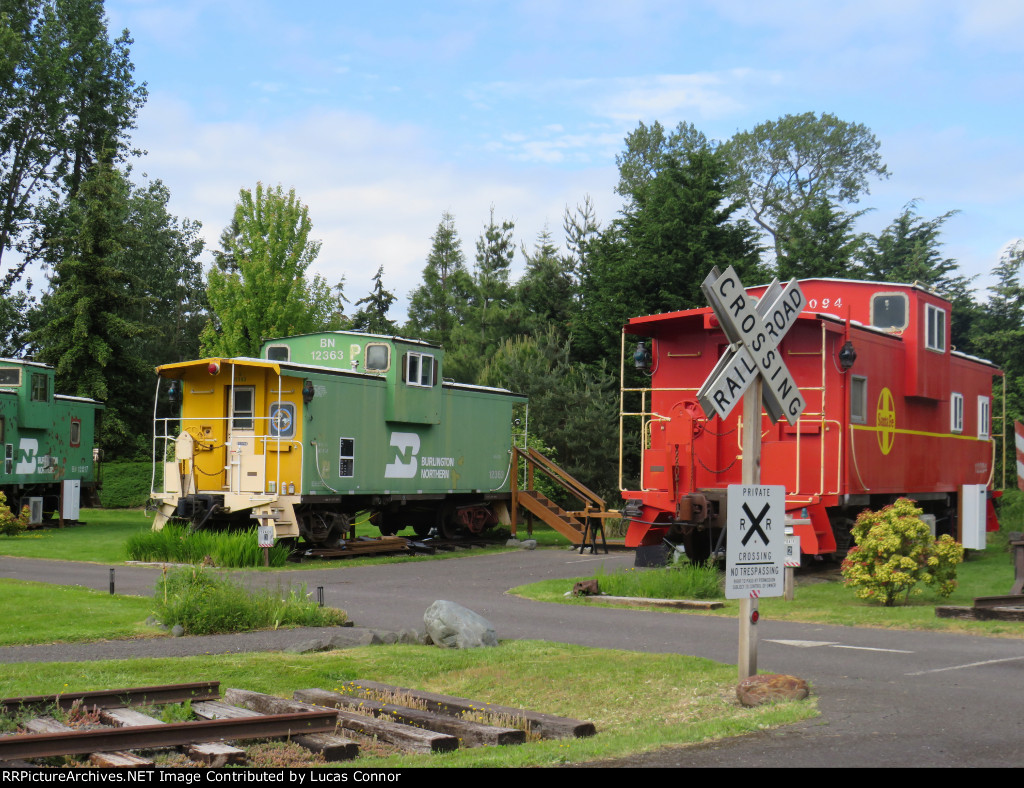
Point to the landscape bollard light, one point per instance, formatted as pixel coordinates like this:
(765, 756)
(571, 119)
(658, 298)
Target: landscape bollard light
(111, 581)
(320, 595)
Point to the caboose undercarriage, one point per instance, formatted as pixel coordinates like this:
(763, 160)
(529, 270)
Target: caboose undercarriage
(700, 520)
(327, 520)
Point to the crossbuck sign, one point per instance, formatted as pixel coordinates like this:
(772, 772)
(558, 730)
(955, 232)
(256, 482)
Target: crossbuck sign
(755, 329)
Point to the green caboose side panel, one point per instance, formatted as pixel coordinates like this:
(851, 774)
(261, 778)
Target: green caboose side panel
(466, 451)
(46, 437)
(411, 367)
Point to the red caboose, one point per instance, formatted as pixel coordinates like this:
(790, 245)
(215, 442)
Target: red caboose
(892, 410)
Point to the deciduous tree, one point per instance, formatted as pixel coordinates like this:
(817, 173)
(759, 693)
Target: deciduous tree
(783, 168)
(264, 292)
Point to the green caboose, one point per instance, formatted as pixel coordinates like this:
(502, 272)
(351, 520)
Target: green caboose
(49, 463)
(325, 426)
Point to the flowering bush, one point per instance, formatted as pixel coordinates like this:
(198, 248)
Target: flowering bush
(9, 524)
(895, 551)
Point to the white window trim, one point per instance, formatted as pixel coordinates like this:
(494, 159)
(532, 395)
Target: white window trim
(983, 417)
(956, 412)
(930, 311)
(419, 370)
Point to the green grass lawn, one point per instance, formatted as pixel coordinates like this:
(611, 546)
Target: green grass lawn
(828, 601)
(43, 613)
(638, 702)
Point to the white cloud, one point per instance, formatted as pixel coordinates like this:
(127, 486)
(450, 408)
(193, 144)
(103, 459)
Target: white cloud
(375, 192)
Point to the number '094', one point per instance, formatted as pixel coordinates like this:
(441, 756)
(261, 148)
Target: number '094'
(825, 303)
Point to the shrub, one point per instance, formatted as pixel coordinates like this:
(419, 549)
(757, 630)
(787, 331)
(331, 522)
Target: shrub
(203, 603)
(895, 552)
(9, 524)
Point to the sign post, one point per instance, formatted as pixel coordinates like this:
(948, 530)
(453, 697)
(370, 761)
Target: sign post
(753, 368)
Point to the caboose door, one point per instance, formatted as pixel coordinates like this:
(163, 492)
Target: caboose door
(241, 435)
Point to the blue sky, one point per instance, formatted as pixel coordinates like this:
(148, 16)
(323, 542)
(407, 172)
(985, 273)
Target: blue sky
(384, 115)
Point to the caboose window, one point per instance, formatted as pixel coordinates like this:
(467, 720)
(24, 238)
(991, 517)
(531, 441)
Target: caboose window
(378, 357)
(889, 310)
(242, 407)
(983, 417)
(40, 388)
(419, 369)
(10, 377)
(278, 353)
(859, 399)
(75, 438)
(935, 318)
(956, 412)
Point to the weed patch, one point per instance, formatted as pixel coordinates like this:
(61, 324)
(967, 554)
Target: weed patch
(178, 544)
(687, 581)
(204, 603)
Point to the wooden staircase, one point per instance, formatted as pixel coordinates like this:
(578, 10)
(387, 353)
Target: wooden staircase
(576, 526)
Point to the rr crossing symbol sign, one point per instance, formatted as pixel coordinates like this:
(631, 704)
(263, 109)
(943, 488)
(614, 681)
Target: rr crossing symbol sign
(755, 330)
(755, 550)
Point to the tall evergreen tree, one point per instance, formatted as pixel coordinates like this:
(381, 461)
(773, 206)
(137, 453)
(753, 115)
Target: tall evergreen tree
(373, 317)
(909, 250)
(93, 331)
(819, 242)
(545, 295)
(487, 317)
(438, 304)
(655, 258)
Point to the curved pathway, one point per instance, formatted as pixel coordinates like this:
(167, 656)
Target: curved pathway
(887, 698)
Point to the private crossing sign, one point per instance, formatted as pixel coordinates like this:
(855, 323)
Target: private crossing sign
(755, 549)
(754, 329)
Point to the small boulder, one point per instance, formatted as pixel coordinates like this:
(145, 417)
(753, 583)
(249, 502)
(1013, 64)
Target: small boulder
(452, 626)
(755, 690)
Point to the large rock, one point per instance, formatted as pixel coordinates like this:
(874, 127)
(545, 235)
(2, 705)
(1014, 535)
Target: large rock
(755, 690)
(453, 626)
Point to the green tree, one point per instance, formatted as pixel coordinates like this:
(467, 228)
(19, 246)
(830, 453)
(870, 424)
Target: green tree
(647, 150)
(546, 293)
(573, 409)
(265, 292)
(67, 95)
(784, 168)
(654, 259)
(438, 304)
(909, 250)
(488, 318)
(92, 333)
(162, 253)
(819, 242)
(373, 318)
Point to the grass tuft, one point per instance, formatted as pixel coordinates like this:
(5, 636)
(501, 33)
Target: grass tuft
(204, 603)
(686, 581)
(178, 544)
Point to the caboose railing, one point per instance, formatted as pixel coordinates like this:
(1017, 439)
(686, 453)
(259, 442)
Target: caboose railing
(829, 479)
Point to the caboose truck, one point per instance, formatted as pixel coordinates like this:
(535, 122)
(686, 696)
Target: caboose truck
(325, 426)
(49, 463)
(892, 410)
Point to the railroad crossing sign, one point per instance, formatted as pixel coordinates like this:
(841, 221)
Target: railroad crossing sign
(755, 330)
(755, 549)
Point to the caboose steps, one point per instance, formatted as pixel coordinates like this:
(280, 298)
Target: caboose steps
(576, 526)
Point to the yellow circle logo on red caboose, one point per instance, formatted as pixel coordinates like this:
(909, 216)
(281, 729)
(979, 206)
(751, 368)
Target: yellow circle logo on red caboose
(885, 421)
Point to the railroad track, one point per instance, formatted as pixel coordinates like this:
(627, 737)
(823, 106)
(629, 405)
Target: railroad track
(330, 725)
